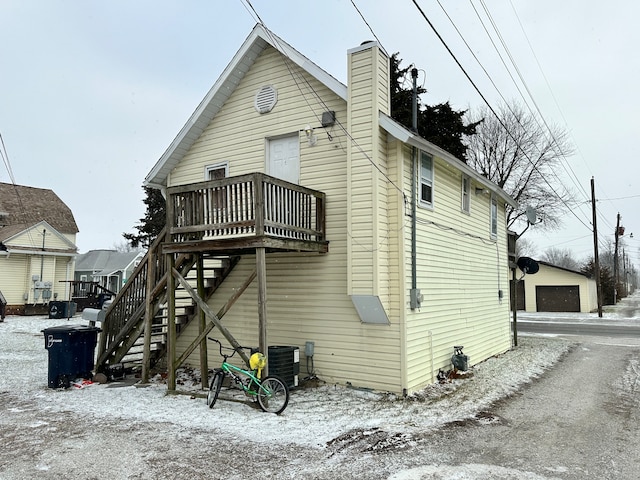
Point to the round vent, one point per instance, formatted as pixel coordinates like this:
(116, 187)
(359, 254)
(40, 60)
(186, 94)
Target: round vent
(266, 99)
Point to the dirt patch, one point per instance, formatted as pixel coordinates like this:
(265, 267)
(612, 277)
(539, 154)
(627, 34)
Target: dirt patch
(374, 440)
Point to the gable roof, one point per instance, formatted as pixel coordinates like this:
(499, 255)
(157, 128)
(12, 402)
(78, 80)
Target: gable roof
(259, 39)
(551, 265)
(13, 233)
(22, 207)
(105, 262)
(256, 42)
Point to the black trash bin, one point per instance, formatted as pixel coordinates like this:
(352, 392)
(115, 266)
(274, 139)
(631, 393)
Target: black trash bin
(71, 353)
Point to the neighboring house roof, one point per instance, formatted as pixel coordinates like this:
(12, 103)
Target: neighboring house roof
(22, 207)
(256, 42)
(563, 268)
(106, 262)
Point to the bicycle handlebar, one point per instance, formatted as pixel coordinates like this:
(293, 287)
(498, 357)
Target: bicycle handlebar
(234, 349)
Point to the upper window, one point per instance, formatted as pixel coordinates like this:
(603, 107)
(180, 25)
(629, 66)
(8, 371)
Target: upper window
(466, 185)
(494, 216)
(426, 179)
(216, 172)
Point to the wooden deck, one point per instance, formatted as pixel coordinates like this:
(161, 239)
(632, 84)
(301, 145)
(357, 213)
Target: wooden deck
(236, 214)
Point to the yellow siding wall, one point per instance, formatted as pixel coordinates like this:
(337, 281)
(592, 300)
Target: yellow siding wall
(460, 270)
(13, 280)
(18, 270)
(460, 267)
(307, 295)
(33, 239)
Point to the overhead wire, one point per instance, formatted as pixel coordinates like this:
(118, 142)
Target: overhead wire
(479, 92)
(298, 79)
(600, 215)
(318, 98)
(546, 129)
(7, 163)
(565, 164)
(506, 103)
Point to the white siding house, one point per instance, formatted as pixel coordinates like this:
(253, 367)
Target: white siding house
(381, 312)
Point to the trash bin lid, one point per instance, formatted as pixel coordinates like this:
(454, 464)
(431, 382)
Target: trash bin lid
(70, 329)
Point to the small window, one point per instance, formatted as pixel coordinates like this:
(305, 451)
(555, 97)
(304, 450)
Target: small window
(494, 216)
(466, 182)
(426, 179)
(216, 172)
(218, 197)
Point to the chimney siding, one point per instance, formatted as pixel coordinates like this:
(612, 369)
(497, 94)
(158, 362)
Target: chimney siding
(368, 94)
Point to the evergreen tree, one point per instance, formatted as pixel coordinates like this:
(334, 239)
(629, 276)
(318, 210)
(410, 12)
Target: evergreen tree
(153, 221)
(607, 282)
(439, 124)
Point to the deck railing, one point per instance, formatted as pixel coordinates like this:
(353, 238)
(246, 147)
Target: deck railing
(248, 205)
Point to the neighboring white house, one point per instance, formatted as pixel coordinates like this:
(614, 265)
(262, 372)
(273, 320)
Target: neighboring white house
(379, 311)
(109, 268)
(557, 289)
(37, 248)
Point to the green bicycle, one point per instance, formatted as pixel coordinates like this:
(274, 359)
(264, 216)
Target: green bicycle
(271, 392)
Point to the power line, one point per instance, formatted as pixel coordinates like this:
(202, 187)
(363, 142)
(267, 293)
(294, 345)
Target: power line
(477, 89)
(316, 95)
(566, 165)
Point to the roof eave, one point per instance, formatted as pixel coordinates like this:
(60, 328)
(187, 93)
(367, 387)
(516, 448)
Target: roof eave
(405, 135)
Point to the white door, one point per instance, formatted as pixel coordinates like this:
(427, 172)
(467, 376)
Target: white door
(284, 159)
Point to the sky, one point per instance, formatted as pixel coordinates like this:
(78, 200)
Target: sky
(92, 93)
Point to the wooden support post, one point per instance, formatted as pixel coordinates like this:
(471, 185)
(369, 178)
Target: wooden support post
(261, 270)
(514, 307)
(214, 320)
(171, 322)
(202, 321)
(148, 316)
(203, 305)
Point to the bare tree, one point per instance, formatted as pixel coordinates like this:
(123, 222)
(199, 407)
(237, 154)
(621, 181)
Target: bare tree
(525, 248)
(125, 247)
(523, 157)
(561, 257)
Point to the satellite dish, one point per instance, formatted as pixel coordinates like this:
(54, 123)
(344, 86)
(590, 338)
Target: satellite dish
(530, 212)
(528, 265)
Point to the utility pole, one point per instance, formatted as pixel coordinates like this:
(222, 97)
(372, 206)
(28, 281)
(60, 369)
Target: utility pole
(615, 262)
(596, 258)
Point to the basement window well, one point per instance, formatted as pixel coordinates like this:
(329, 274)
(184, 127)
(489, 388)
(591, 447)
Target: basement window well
(370, 309)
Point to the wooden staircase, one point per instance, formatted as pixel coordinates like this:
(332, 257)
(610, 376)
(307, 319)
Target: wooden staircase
(143, 300)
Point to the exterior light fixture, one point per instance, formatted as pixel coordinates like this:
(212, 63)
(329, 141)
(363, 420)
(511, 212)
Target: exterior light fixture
(311, 138)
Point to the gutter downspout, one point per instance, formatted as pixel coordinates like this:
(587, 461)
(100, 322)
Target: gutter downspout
(414, 122)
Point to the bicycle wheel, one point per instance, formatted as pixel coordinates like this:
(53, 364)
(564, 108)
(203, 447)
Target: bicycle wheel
(273, 397)
(214, 388)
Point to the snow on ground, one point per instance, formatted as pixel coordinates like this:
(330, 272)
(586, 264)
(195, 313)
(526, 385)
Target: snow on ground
(333, 413)
(331, 410)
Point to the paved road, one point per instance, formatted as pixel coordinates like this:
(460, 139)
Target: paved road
(626, 323)
(582, 329)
